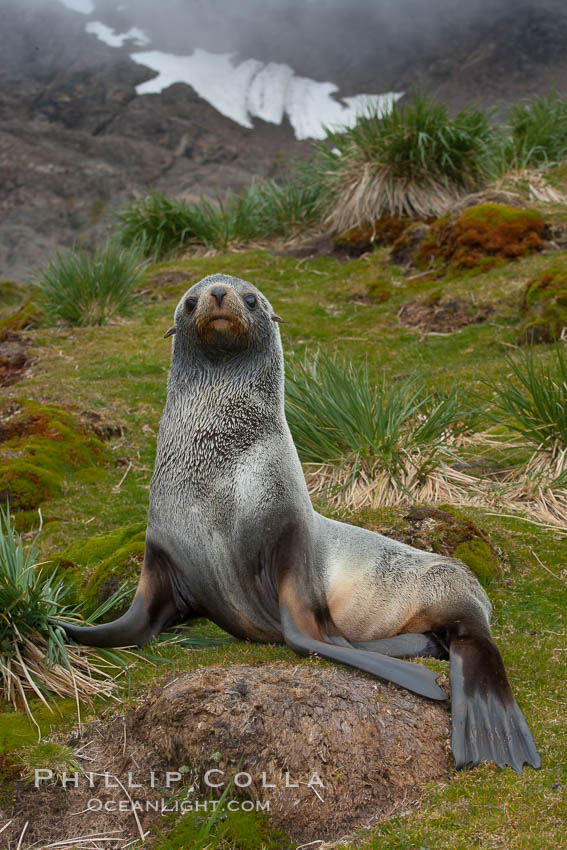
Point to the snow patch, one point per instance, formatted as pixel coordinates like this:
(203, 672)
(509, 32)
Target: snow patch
(85, 7)
(254, 90)
(109, 36)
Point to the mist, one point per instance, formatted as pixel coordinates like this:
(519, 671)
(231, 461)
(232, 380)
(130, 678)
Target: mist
(318, 38)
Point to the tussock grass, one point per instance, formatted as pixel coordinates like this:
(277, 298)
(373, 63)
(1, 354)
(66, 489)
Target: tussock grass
(414, 161)
(158, 226)
(531, 400)
(79, 289)
(367, 444)
(538, 132)
(35, 661)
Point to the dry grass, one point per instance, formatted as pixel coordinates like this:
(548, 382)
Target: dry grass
(536, 489)
(370, 190)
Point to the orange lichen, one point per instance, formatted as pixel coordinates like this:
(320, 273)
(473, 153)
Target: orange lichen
(482, 235)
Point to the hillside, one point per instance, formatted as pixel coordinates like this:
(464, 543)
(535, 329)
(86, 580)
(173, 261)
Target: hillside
(76, 141)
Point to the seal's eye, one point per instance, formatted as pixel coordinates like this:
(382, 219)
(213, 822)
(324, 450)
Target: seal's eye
(250, 301)
(190, 304)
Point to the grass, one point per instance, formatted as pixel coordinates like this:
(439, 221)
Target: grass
(531, 400)
(538, 132)
(79, 289)
(159, 226)
(121, 372)
(34, 657)
(414, 161)
(381, 444)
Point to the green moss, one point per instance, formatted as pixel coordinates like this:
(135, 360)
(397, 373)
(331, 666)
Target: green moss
(496, 214)
(239, 830)
(96, 566)
(479, 557)
(93, 549)
(379, 291)
(59, 758)
(124, 565)
(544, 306)
(16, 730)
(42, 445)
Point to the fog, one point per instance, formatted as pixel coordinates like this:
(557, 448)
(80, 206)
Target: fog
(310, 35)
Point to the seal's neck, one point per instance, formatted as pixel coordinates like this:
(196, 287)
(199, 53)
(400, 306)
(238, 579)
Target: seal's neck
(243, 379)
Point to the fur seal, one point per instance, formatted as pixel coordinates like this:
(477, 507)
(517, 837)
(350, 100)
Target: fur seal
(232, 536)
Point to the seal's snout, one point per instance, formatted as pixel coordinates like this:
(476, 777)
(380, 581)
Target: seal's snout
(218, 293)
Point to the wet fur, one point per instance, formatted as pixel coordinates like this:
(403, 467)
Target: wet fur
(232, 536)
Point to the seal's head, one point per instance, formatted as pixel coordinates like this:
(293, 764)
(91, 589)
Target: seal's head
(223, 316)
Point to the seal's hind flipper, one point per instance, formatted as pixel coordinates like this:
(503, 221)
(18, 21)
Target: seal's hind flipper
(414, 677)
(488, 724)
(407, 645)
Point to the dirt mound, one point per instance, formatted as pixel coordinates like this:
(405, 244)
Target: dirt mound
(326, 747)
(442, 315)
(104, 429)
(13, 358)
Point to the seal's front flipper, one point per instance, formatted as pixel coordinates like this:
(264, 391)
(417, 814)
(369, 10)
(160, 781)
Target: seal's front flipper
(133, 628)
(488, 724)
(155, 606)
(414, 677)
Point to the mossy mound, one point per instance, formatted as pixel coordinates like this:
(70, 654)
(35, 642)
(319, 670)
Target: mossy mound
(27, 315)
(274, 733)
(96, 566)
(544, 308)
(480, 236)
(11, 295)
(407, 245)
(39, 446)
(446, 531)
(375, 292)
(435, 313)
(358, 240)
(169, 283)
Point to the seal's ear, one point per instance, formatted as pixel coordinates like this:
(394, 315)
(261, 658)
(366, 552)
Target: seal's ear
(170, 332)
(275, 318)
